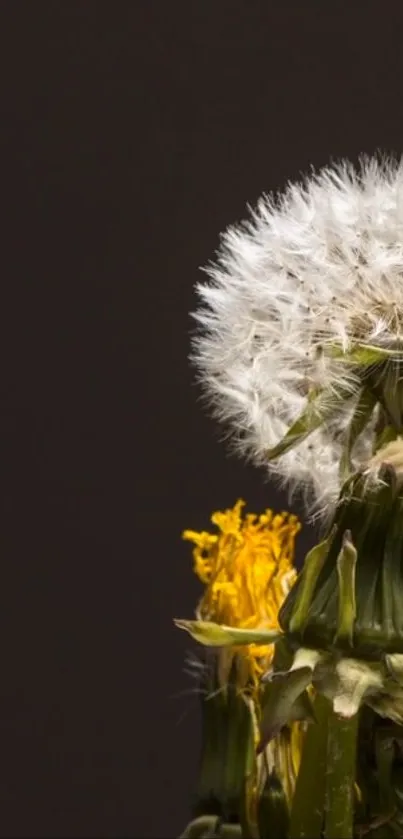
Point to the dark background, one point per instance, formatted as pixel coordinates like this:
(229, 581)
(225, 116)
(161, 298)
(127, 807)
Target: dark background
(131, 134)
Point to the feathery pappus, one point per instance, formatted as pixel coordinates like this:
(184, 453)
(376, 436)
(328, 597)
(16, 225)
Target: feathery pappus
(317, 268)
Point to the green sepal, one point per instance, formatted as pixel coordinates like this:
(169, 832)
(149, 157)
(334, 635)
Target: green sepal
(364, 355)
(374, 515)
(303, 709)
(347, 609)
(362, 414)
(209, 793)
(312, 567)
(218, 635)
(318, 411)
(227, 745)
(278, 702)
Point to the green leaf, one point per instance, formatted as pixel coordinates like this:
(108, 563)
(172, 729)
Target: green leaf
(362, 414)
(318, 411)
(365, 355)
(218, 635)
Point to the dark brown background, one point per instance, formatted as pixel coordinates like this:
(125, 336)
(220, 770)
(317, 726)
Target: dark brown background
(131, 134)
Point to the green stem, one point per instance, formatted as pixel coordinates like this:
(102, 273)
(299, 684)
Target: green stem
(340, 777)
(309, 798)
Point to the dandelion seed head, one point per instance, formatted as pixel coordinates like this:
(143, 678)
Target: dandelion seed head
(319, 266)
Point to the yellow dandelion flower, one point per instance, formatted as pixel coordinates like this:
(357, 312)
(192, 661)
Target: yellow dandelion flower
(247, 570)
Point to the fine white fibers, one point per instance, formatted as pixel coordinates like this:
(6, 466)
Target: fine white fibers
(321, 265)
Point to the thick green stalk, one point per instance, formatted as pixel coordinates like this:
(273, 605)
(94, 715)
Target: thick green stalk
(340, 777)
(307, 812)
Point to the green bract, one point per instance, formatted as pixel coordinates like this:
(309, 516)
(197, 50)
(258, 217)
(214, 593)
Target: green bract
(349, 595)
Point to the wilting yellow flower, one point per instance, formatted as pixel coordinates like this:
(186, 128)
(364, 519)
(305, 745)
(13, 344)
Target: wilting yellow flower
(247, 569)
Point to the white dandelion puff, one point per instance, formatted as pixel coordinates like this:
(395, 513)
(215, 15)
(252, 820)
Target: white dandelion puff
(317, 268)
